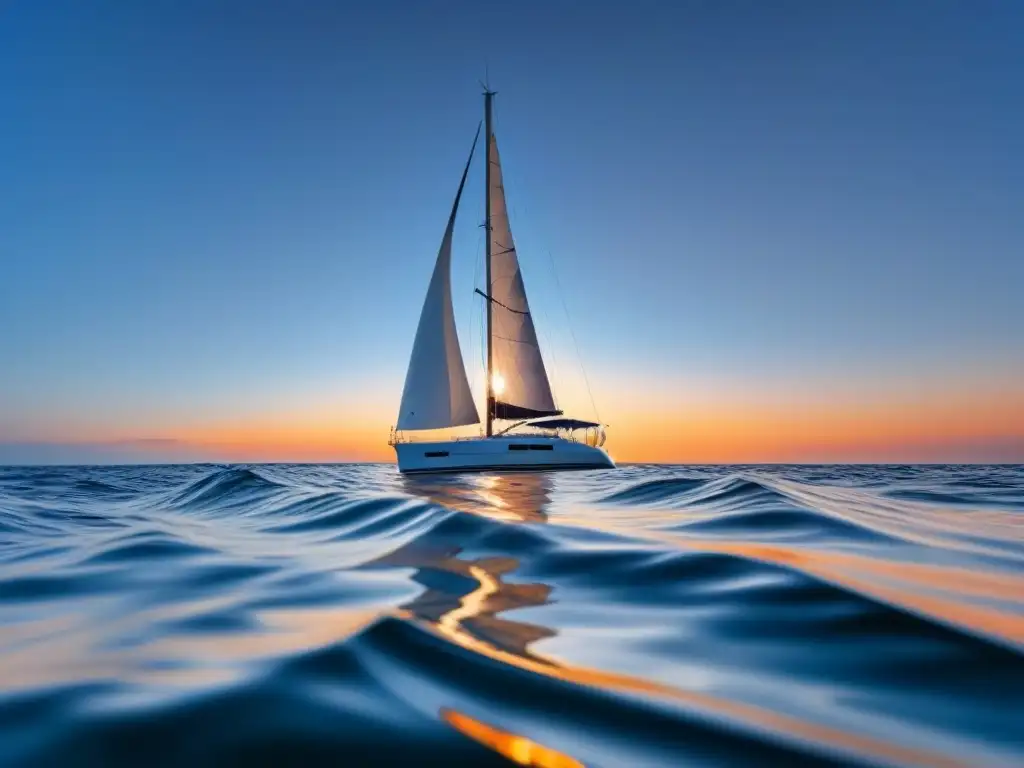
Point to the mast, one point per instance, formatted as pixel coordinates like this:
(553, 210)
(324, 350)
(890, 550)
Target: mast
(488, 94)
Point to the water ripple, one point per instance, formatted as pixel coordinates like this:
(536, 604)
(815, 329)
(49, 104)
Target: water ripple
(650, 615)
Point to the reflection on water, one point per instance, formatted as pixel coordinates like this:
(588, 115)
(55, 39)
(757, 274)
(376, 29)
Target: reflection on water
(513, 498)
(471, 622)
(516, 497)
(645, 616)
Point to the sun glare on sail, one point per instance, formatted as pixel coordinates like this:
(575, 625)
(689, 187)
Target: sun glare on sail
(497, 383)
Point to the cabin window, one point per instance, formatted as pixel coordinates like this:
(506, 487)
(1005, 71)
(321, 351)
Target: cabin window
(529, 447)
(435, 454)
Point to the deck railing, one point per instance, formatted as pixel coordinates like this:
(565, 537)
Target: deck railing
(397, 436)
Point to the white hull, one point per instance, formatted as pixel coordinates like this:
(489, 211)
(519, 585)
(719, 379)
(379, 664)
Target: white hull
(500, 454)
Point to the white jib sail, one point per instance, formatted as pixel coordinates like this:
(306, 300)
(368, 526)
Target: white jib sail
(437, 393)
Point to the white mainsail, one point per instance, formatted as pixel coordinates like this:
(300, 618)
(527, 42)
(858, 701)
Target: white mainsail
(519, 382)
(436, 393)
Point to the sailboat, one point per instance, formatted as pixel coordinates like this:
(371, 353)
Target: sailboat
(523, 428)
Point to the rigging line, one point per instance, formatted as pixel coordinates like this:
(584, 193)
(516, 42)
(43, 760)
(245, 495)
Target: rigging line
(516, 341)
(551, 366)
(568, 322)
(480, 375)
(479, 259)
(506, 306)
(545, 341)
(476, 318)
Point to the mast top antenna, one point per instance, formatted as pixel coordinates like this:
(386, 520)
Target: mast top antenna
(486, 82)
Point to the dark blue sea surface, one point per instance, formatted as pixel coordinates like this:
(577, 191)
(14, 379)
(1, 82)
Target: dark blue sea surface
(650, 615)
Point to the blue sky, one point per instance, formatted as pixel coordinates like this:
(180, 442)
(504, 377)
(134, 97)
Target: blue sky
(223, 210)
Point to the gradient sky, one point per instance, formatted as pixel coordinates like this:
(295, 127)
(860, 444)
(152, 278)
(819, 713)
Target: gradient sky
(782, 232)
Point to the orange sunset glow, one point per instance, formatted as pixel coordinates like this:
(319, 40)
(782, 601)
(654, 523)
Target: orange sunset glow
(707, 428)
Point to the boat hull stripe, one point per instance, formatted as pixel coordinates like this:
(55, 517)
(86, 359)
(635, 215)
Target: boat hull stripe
(503, 468)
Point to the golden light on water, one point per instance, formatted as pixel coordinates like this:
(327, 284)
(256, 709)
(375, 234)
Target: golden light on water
(518, 749)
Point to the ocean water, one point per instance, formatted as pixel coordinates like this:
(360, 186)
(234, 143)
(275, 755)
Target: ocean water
(650, 615)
